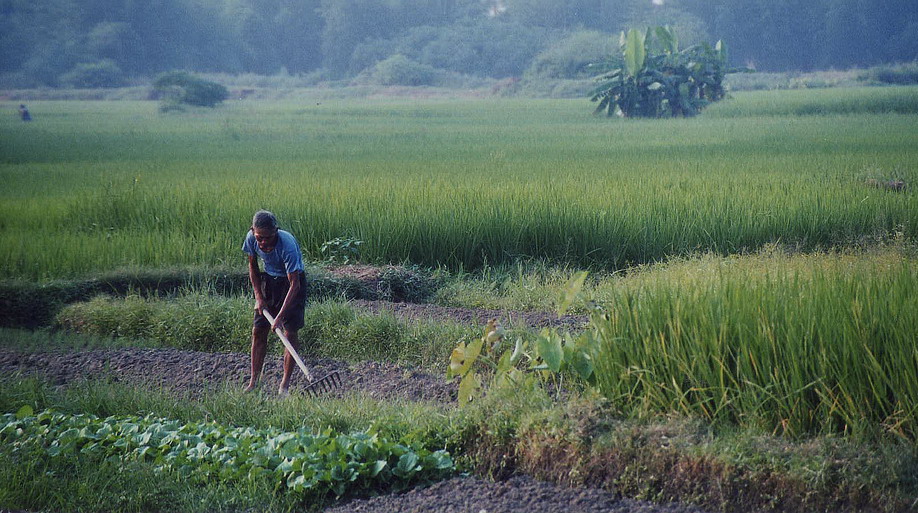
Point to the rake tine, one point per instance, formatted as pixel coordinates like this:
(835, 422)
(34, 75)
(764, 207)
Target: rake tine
(324, 385)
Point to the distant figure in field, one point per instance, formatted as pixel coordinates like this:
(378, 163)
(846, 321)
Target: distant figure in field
(24, 113)
(280, 289)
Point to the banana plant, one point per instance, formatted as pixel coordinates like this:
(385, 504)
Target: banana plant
(654, 78)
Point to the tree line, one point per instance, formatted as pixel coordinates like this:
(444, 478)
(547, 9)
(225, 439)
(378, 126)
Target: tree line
(106, 42)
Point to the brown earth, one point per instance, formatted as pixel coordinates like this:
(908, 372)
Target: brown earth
(193, 371)
(521, 493)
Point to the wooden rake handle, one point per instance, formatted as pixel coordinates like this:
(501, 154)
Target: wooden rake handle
(289, 346)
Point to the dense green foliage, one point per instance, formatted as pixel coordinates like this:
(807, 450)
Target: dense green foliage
(309, 464)
(98, 186)
(45, 41)
(794, 344)
(180, 87)
(791, 344)
(653, 78)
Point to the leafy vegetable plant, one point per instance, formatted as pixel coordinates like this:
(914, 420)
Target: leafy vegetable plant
(299, 462)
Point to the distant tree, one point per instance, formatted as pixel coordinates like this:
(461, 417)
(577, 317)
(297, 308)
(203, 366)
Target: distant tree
(485, 47)
(571, 56)
(400, 70)
(104, 73)
(179, 87)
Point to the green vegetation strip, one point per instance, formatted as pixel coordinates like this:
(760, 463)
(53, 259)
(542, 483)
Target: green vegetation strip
(769, 343)
(301, 462)
(201, 322)
(491, 182)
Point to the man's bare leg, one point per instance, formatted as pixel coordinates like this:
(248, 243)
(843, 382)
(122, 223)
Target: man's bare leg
(259, 349)
(289, 362)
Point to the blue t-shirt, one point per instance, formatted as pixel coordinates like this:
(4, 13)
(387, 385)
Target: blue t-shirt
(284, 259)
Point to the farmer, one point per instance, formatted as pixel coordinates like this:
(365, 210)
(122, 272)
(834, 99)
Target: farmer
(24, 113)
(281, 290)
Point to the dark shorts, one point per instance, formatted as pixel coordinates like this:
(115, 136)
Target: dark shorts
(274, 290)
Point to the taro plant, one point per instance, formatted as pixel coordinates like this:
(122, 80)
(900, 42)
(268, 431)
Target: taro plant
(654, 78)
(342, 249)
(547, 358)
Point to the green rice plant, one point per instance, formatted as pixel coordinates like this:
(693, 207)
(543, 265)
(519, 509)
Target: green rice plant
(827, 102)
(830, 349)
(192, 321)
(102, 186)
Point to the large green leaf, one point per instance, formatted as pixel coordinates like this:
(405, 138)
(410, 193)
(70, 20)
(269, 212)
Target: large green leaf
(468, 388)
(549, 347)
(667, 39)
(635, 52)
(25, 411)
(571, 292)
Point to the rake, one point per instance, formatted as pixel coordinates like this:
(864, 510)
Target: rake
(327, 383)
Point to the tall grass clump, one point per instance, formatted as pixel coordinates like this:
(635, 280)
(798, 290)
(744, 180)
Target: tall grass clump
(829, 349)
(208, 322)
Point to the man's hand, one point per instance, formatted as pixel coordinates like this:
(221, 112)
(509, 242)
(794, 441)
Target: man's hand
(259, 306)
(278, 323)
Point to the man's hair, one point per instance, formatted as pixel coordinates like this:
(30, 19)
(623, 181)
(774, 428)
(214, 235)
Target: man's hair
(264, 220)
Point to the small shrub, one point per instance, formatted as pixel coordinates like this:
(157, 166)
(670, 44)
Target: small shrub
(342, 249)
(400, 70)
(179, 87)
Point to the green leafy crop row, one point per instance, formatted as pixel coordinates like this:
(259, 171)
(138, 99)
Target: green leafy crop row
(298, 462)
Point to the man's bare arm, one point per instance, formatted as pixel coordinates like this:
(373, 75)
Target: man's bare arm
(255, 278)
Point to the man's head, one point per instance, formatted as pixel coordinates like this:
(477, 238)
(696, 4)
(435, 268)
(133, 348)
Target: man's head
(264, 227)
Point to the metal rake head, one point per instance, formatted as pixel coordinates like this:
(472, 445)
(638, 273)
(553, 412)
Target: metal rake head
(328, 383)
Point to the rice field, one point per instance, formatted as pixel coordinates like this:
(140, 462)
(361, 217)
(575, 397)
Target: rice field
(820, 339)
(92, 186)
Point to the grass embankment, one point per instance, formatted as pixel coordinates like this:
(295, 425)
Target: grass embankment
(206, 323)
(487, 182)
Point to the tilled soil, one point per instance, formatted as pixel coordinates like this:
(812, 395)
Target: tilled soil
(518, 494)
(193, 371)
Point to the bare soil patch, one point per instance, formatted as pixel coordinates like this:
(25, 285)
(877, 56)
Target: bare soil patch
(194, 371)
(521, 493)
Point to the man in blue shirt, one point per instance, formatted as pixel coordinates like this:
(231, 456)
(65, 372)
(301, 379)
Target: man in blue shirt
(280, 289)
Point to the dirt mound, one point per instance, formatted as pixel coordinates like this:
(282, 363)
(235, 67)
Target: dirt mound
(471, 495)
(193, 371)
